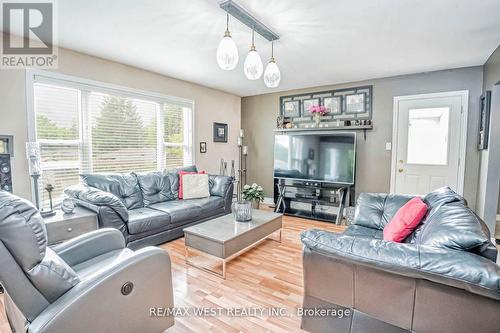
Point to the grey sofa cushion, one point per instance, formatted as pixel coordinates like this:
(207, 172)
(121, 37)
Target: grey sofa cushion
(122, 185)
(155, 187)
(375, 210)
(146, 219)
(454, 226)
(180, 211)
(360, 231)
(219, 185)
(174, 178)
(209, 206)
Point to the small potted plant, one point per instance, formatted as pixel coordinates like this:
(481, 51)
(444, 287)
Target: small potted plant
(317, 111)
(253, 193)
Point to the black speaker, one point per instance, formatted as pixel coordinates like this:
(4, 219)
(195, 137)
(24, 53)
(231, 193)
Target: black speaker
(5, 173)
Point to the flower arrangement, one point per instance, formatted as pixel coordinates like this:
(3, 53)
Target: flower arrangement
(318, 110)
(254, 193)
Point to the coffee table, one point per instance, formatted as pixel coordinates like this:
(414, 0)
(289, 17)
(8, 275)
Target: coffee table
(224, 239)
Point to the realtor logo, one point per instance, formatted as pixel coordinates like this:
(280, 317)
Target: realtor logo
(29, 35)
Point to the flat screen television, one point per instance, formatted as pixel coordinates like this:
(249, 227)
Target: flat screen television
(318, 157)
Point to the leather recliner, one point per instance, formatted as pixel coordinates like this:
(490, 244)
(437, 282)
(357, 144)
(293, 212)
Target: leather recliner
(92, 283)
(442, 278)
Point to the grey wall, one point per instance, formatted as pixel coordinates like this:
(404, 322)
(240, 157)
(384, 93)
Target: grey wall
(374, 162)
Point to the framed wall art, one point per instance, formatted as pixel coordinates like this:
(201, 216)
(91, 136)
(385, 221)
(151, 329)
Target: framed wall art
(333, 104)
(203, 147)
(291, 109)
(220, 132)
(307, 104)
(484, 120)
(355, 103)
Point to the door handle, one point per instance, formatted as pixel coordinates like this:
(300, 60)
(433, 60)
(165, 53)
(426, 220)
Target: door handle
(400, 170)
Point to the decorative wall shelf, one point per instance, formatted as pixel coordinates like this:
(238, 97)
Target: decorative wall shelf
(333, 128)
(363, 128)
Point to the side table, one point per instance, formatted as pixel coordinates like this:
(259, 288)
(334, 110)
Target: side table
(61, 226)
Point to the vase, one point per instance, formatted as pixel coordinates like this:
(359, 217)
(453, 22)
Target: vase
(255, 204)
(242, 211)
(317, 119)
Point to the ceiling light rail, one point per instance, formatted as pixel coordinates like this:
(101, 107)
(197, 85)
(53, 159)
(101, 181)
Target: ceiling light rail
(242, 15)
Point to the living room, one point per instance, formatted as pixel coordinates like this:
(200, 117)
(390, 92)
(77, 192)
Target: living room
(250, 166)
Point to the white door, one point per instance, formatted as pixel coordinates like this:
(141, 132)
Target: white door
(429, 142)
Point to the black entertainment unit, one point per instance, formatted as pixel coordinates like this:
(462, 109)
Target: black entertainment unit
(314, 174)
(312, 200)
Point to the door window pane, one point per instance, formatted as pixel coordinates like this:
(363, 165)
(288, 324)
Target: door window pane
(428, 136)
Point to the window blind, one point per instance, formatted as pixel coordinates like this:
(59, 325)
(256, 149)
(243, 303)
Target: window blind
(91, 130)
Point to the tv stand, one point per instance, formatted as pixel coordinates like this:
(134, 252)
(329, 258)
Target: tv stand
(311, 199)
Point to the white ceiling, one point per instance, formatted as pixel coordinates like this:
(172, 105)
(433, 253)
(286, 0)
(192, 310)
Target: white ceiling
(322, 42)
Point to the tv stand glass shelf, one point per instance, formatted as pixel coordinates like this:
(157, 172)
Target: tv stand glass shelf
(313, 200)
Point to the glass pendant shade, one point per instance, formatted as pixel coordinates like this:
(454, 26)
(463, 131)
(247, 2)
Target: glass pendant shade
(253, 66)
(227, 53)
(272, 75)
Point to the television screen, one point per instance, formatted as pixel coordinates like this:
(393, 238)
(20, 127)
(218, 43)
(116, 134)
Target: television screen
(318, 157)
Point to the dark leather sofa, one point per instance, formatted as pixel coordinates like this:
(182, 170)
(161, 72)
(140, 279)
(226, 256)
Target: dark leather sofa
(442, 278)
(145, 206)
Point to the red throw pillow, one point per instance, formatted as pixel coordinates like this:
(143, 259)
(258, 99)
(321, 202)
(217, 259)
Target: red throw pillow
(405, 221)
(181, 173)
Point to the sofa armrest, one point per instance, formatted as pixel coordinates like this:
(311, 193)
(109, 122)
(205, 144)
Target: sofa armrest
(96, 197)
(374, 210)
(455, 268)
(98, 304)
(90, 245)
(222, 186)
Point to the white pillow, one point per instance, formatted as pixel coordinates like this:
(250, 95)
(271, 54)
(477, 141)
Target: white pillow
(195, 186)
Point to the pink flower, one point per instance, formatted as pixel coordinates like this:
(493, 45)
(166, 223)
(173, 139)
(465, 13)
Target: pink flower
(318, 109)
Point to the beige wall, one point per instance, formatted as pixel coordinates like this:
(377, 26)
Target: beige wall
(210, 106)
(258, 116)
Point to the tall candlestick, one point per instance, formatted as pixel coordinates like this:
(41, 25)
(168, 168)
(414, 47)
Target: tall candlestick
(240, 141)
(245, 150)
(242, 133)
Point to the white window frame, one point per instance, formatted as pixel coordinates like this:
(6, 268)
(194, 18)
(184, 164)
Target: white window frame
(42, 76)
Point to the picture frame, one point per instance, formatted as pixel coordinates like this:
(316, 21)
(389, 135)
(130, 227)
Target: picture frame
(355, 103)
(307, 103)
(7, 145)
(220, 132)
(203, 147)
(484, 120)
(291, 109)
(333, 104)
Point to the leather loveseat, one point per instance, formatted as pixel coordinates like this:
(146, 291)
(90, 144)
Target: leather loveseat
(145, 207)
(442, 278)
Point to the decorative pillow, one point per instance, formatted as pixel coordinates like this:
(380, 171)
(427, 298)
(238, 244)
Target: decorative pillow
(181, 174)
(195, 186)
(406, 220)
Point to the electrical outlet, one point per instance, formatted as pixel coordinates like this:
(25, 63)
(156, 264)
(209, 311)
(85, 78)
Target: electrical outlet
(388, 145)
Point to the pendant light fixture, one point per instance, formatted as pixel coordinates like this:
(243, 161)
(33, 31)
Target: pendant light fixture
(253, 64)
(227, 53)
(272, 75)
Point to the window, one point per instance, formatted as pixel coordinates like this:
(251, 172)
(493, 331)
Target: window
(428, 136)
(84, 128)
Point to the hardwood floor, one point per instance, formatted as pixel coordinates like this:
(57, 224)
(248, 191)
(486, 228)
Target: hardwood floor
(267, 276)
